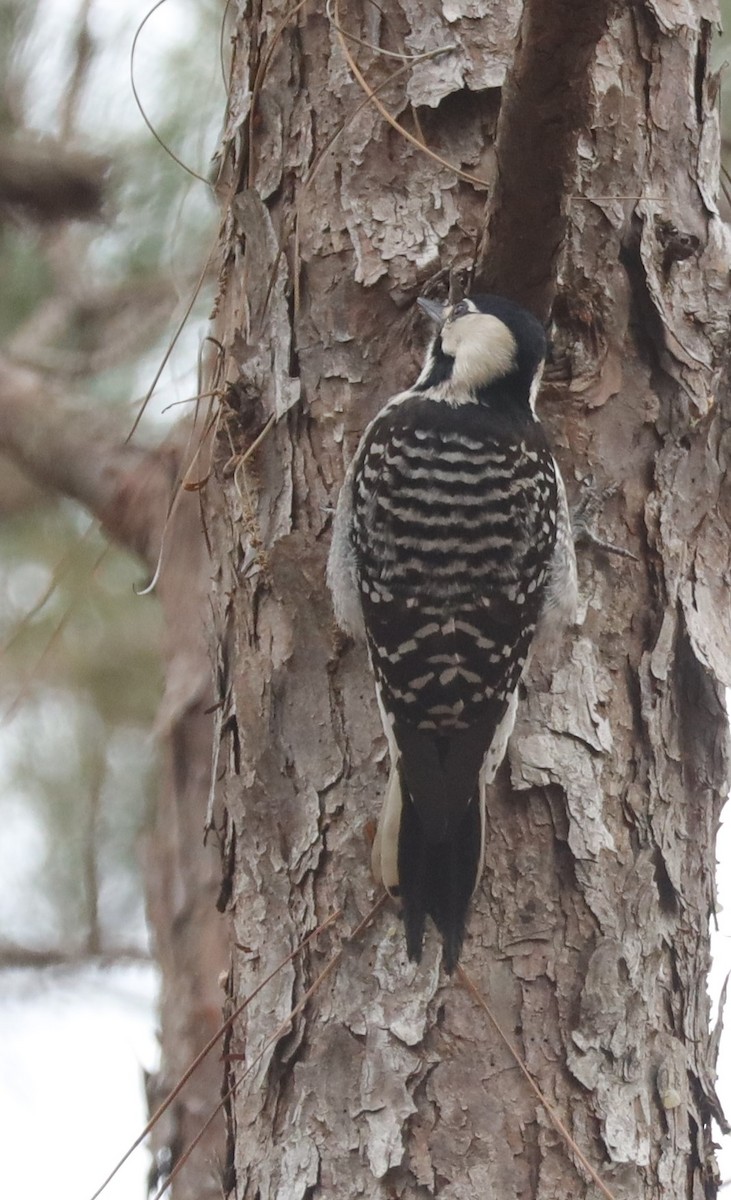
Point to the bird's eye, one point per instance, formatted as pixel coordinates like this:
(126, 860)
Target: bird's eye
(460, 310)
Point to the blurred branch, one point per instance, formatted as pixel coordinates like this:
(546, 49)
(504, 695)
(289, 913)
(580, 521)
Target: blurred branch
(80, 454)
(50, 182)
(18, 494)
(118, 323)
(83, 55)
(12, 955)
(129, 489)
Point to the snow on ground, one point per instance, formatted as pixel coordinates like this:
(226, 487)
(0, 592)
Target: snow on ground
(73, 1045)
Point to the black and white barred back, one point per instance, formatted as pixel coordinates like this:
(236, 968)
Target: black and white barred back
(454, 529)
(455, 512)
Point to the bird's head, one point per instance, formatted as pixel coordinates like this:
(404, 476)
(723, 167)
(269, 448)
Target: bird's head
(480, 341)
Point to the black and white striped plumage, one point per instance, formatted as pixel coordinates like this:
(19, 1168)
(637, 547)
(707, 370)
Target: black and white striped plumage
(451, 545)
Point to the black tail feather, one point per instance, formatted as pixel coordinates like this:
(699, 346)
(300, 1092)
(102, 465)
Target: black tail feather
(438, 878)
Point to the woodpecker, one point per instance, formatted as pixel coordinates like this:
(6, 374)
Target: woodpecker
(451, 549)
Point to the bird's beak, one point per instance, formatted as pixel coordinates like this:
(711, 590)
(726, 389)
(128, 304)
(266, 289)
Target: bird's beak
(433, 309)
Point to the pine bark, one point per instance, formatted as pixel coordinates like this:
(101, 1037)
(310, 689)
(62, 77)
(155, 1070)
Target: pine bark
(589, 935)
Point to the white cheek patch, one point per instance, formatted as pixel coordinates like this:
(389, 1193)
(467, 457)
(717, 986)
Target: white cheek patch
(483, 349)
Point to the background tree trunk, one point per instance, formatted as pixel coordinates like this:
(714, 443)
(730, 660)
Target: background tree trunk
(589, 935)
(130, 490)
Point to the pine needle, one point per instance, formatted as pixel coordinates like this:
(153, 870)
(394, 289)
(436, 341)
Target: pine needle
(472, 988)
(207, 1049)
(278, 1033)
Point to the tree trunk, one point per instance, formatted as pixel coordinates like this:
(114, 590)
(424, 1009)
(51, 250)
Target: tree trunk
(589, 935)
